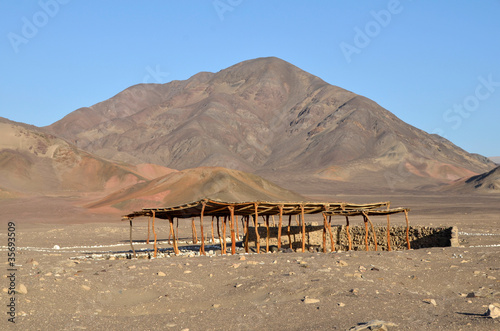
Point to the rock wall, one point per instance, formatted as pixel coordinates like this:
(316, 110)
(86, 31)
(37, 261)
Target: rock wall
(419, 236)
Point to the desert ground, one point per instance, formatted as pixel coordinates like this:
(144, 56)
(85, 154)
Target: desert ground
(69, 288)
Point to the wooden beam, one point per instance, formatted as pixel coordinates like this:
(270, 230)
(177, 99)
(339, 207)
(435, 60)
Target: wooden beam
(303, 228)
(256, 222)
(233, 235)
(280, 224)
(202, 246)
(131, 245)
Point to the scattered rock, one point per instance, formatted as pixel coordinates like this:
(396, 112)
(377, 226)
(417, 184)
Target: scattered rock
(243, 258)
(354, 291)
(187, 271)
(375, 325)
(56, 247)
(430, 301)
(308, 300)
(253, 262)
(238, 285)
(22, 289)
(161, 274)
(235, 265)
(341, 304)
(216, 305)
(342, 263)
(86, 288)
(493, 310)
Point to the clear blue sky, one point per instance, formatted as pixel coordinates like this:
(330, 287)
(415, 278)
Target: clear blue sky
(435, 64)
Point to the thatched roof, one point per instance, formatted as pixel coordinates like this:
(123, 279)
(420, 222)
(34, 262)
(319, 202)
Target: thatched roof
(220, 208)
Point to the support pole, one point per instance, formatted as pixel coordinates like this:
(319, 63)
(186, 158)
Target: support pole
(303, 228)
(388, 228)
(149, 221)
(324, 232)
(237, 227)
(247, 224)
(407, 229)
(131, 245)
(171, 221)
(348, 232)
(193, 230)
(154, 233)
(224, 247)
(267, 234)
(233, 235)
(256, 222)
(366, 232)
(331, 234)
(213, 238)
(288, 230)
(280, 224)
(373, 230)
(202, 246)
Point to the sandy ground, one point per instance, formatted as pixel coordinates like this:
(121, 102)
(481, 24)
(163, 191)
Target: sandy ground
(67, 291)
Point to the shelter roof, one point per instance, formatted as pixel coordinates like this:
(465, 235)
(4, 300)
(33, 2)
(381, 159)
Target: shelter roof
(221, 208)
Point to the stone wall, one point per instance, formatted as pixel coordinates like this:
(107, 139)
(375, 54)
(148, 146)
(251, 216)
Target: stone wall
(420, 237)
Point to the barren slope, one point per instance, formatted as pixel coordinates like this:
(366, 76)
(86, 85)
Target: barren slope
(195, 184)
(488, 182)
(261, 116)
(32, 161)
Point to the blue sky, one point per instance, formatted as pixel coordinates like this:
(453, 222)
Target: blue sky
(434, 64)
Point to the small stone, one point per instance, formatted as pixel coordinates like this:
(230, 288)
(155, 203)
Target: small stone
(132, 267)
(235, 265)
(354, 291)
(238, 285)
(187, 271)
(253, 262)
(216, 305)
(341, 304)
(491, 277)
(86, 288)
(493, 310)
(308, 300)
(161, 274)
(22, 289)
(477, 272)
(430, 301)
(375, 325)
(243, 258)
(34, 263)
(342, 263)
(56, 247)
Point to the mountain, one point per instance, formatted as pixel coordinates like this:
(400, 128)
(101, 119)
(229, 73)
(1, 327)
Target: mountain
(495, 159)
(188, 185)
(32, 161)
(268, 117)
(488, 182)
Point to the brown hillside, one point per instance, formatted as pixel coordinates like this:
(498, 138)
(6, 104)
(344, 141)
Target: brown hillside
(32, 161)
(194, 184)
(488, 182)
(269, 117)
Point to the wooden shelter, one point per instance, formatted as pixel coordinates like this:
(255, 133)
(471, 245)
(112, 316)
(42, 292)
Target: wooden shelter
(229, 211)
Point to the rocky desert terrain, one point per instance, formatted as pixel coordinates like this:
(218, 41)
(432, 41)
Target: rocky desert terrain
(262, 129)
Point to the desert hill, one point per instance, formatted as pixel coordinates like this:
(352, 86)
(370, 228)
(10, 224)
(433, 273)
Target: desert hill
(195, 184)
(269, 117)
(488, 182)
(32, 161)
(495, 159)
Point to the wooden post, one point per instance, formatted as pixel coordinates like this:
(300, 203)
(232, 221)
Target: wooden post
(131, 245)
(288, 231)
(149, 220)
(247, 224)
(233, 235)
(407, 229)
(366, 232)
(193, 230)
(171, 221)
(218, 230)
(274, 223)
(224, 220)
(202, 246)
(213, 238)
(267, 235)
(330, 232)
(324, 232)
(256, 222)
(237, 228)
(280, 224)
(154, 234)
(373, 230)
(303, 228)
(348, 232)
(388, 228)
